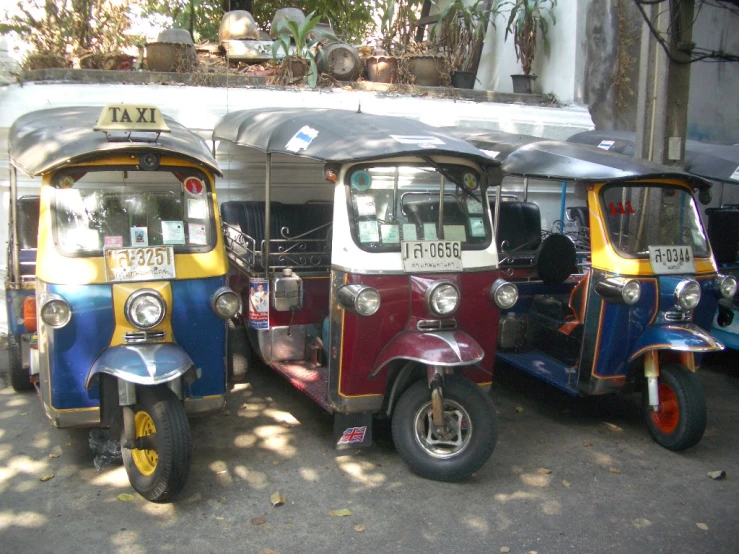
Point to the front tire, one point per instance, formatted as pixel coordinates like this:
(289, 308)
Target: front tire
(20, 379)
(681, 419)
(159, 473)
(467, 411)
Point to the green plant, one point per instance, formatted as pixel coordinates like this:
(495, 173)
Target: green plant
(398, 22)
(302, 39)
(461, 32)
(524, 18)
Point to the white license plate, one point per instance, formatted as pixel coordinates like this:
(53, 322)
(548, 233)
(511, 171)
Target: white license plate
(428, 256)
(671, 259)
(146, 263)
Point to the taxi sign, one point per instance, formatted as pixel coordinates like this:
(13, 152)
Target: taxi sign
(131, 118)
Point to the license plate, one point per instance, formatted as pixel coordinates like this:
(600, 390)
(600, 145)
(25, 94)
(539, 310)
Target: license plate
(428, 256)
(146, 263)
(671, 259)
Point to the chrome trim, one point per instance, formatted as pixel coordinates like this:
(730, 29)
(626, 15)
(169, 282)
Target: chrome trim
(436, 324)
(45, 298)
(718, 282)
(680, 288)
(348, 295)
(146, 353)
(493, 292)
(612, 289)
(430, 293)
(74, 418)
(141, 292)
(218, 294)
(138, 337)
(677, 316)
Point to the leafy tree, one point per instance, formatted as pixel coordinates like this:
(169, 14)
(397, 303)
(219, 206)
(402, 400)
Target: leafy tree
(201, 17)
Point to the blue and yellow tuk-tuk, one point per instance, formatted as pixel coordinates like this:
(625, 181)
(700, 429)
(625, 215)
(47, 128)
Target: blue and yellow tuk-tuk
(130, 281)
(627, 306)
(719, 163)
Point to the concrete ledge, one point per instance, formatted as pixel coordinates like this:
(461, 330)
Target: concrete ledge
(220, 80)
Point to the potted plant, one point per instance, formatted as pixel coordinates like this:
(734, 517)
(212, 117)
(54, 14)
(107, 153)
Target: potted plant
(460, 34)
(398, 21)
(525, 19)
(295, 41)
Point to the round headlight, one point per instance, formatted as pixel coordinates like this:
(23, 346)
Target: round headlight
(145, 309)
(55, 312)
(726, 285)
(504, 294)
(225, 303)
(687, 295)
(367, 301)
(442, 298)
(631, 292)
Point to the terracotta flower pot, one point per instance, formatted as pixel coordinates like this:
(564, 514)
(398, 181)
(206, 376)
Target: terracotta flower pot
(382, 69)
(425, 68)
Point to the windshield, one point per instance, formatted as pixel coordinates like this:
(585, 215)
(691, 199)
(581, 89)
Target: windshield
(95, 210)
(394, 203)
(638, 217)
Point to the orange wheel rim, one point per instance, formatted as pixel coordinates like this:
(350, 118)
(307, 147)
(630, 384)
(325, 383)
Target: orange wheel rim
(668, 415)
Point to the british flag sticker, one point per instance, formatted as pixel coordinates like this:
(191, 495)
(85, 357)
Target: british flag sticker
(352, 435)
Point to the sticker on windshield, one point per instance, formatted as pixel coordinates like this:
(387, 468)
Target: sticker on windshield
(421, 141)
(735, 175)
(429, 231)
(368, 231)
(139, 236)
(455, 232)
(194, 186)
(409, 231)
(474, 206)
(302, 139)
(113, 241)
(606, 144)
(470, 181)
(389, 234)
(366, 205)
(196, 234)
(196, 209)
(621, 208)
(477, 227)
(173, 232)
(65, 182)
(361, 181)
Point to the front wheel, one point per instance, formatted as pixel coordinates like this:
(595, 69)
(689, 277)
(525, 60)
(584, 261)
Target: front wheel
(158, 469)
(680, 421)
(471, 422)
(20, 379)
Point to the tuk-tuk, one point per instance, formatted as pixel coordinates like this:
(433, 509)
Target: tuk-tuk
(130, 281)
(626, 307)
(363, 250)
(719, 163)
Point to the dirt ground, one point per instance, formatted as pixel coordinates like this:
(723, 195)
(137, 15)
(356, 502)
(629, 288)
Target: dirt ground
(567, 475)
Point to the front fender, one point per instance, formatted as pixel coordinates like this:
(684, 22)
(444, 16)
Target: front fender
(685, 338)
(442, 348)
(143, 364)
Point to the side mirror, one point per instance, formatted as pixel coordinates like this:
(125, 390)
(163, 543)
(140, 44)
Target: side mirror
(705, 196)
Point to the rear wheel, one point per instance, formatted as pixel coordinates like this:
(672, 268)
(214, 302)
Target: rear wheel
(238, 352)
(20, 379)
(471, 422)
(158, 469)
(680, 421)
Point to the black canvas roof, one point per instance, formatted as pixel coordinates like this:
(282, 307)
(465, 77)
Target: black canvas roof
(45, 140)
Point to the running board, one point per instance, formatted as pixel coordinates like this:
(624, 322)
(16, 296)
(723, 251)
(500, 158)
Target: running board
(313, 382)
(545, 368)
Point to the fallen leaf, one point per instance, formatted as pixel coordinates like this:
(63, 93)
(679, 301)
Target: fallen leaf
(261, 520)
(275, 463)
(702, 526)
(69, 443)
(46, 477)
(519, 409)
(587, 444)
(267, 551)
(53, 455)
(532, 552)
(218, 518)
(614, 470)
(544, 471)
(24, 413)
(504, 549)
(277, 499)
(125, 497)
(227, 413)
(566, 483)
(612, 426)
(340, 513)
(359, 528)
(717, 475)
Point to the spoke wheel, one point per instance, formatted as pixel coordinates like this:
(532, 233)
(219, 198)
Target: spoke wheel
(680, 420)
(159, 471)
(462, 447)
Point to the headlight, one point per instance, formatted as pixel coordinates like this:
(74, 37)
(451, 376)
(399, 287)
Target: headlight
(442, 298)
(687, 295)
(359, 299)
(504, 294)
(619, 289)
(725, 285)
(145, 309)
(225, 303)
(55, 311)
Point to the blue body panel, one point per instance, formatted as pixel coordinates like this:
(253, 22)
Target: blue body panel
(684, 337)
(544, 367)
(201, 333)
(74, 348)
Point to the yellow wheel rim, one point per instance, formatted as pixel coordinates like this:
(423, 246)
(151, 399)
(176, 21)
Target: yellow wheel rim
(145, 460)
